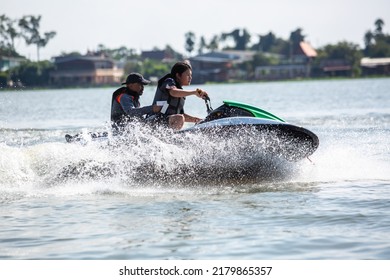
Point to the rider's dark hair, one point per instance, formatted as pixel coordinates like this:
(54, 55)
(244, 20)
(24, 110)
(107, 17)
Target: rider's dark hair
(179, 68)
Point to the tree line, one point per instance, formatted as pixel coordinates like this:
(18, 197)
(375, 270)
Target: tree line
(241, 39)
(377, 44)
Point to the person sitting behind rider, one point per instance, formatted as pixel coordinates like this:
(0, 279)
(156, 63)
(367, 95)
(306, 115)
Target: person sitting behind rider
(125, 104)
(170, 96)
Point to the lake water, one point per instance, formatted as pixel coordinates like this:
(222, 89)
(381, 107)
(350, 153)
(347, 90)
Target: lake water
(335, 206)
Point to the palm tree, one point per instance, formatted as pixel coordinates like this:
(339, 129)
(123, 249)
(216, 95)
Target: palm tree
(202, 45)
(241, 38)
(379, 25)
(8, 31)
(30, 26)
(213, 45)
(266, 42)
(368, 37)
(190, 41)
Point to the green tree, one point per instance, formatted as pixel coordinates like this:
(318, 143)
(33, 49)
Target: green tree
(123, 53)
(368, 38)
(7, 51)
(8, 32)
(202, 45)
(133, 66)
(380, 49)
(346, 51)
(148, 68)
(74, 53)
(214, 43)
(155, 69)
(296, 37)
(190, 42)
(3, 79)
(30, 27)
(266, 42)
(272, 44)
(32, 74)
(377, 44)
(379, 26)
(241, 38)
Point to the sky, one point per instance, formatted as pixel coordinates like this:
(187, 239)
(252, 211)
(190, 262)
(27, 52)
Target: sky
(82, 25)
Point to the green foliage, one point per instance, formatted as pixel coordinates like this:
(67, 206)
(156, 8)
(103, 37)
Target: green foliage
(133, 66)
(9, 52)
(155, 69)
(121, 53)
(380, 49)
(190, 42)
(260, 59)
(269, 43)
(8, 32)
(377, 43)
(379, 25)
(266, 42)
(378, 46)
(32, 74)
(347, 52)
(70, 54)
(295, 38)
(214, 43)
(148, 68)
(241, 38)
(202, 45)
(3, 79)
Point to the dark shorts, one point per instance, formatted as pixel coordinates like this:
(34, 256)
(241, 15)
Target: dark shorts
(158, 119)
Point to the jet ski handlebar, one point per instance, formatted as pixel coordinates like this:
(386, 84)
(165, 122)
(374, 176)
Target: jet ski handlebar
(207, 101)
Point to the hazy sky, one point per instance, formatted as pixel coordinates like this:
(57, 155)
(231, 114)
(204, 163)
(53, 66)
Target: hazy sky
(82, 25)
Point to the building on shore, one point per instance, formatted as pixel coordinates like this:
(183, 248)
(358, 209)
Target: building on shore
(85, 71)
(218, 66)
(298, 65)
(8, 62)
(375, 66)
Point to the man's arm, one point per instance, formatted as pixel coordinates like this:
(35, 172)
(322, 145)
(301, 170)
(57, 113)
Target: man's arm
(128, 106)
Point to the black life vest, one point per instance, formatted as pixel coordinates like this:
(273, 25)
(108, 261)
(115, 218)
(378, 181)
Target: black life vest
(118, 115)
(117, 95)
(175, 104)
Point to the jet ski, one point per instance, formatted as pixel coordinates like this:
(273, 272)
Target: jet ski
(256, 127)
(253, 127)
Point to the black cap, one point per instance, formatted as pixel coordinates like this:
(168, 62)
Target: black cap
(136, 78)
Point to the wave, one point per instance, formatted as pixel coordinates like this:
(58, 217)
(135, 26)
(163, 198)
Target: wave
(150, 161)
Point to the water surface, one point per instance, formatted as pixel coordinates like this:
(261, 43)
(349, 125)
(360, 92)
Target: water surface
(335, 206)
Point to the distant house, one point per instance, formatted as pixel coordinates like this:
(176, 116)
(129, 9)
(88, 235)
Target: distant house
(297, 66)
(218, 66)
(375, 66)
(7, 63)
(85, 71)
(335, 68)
